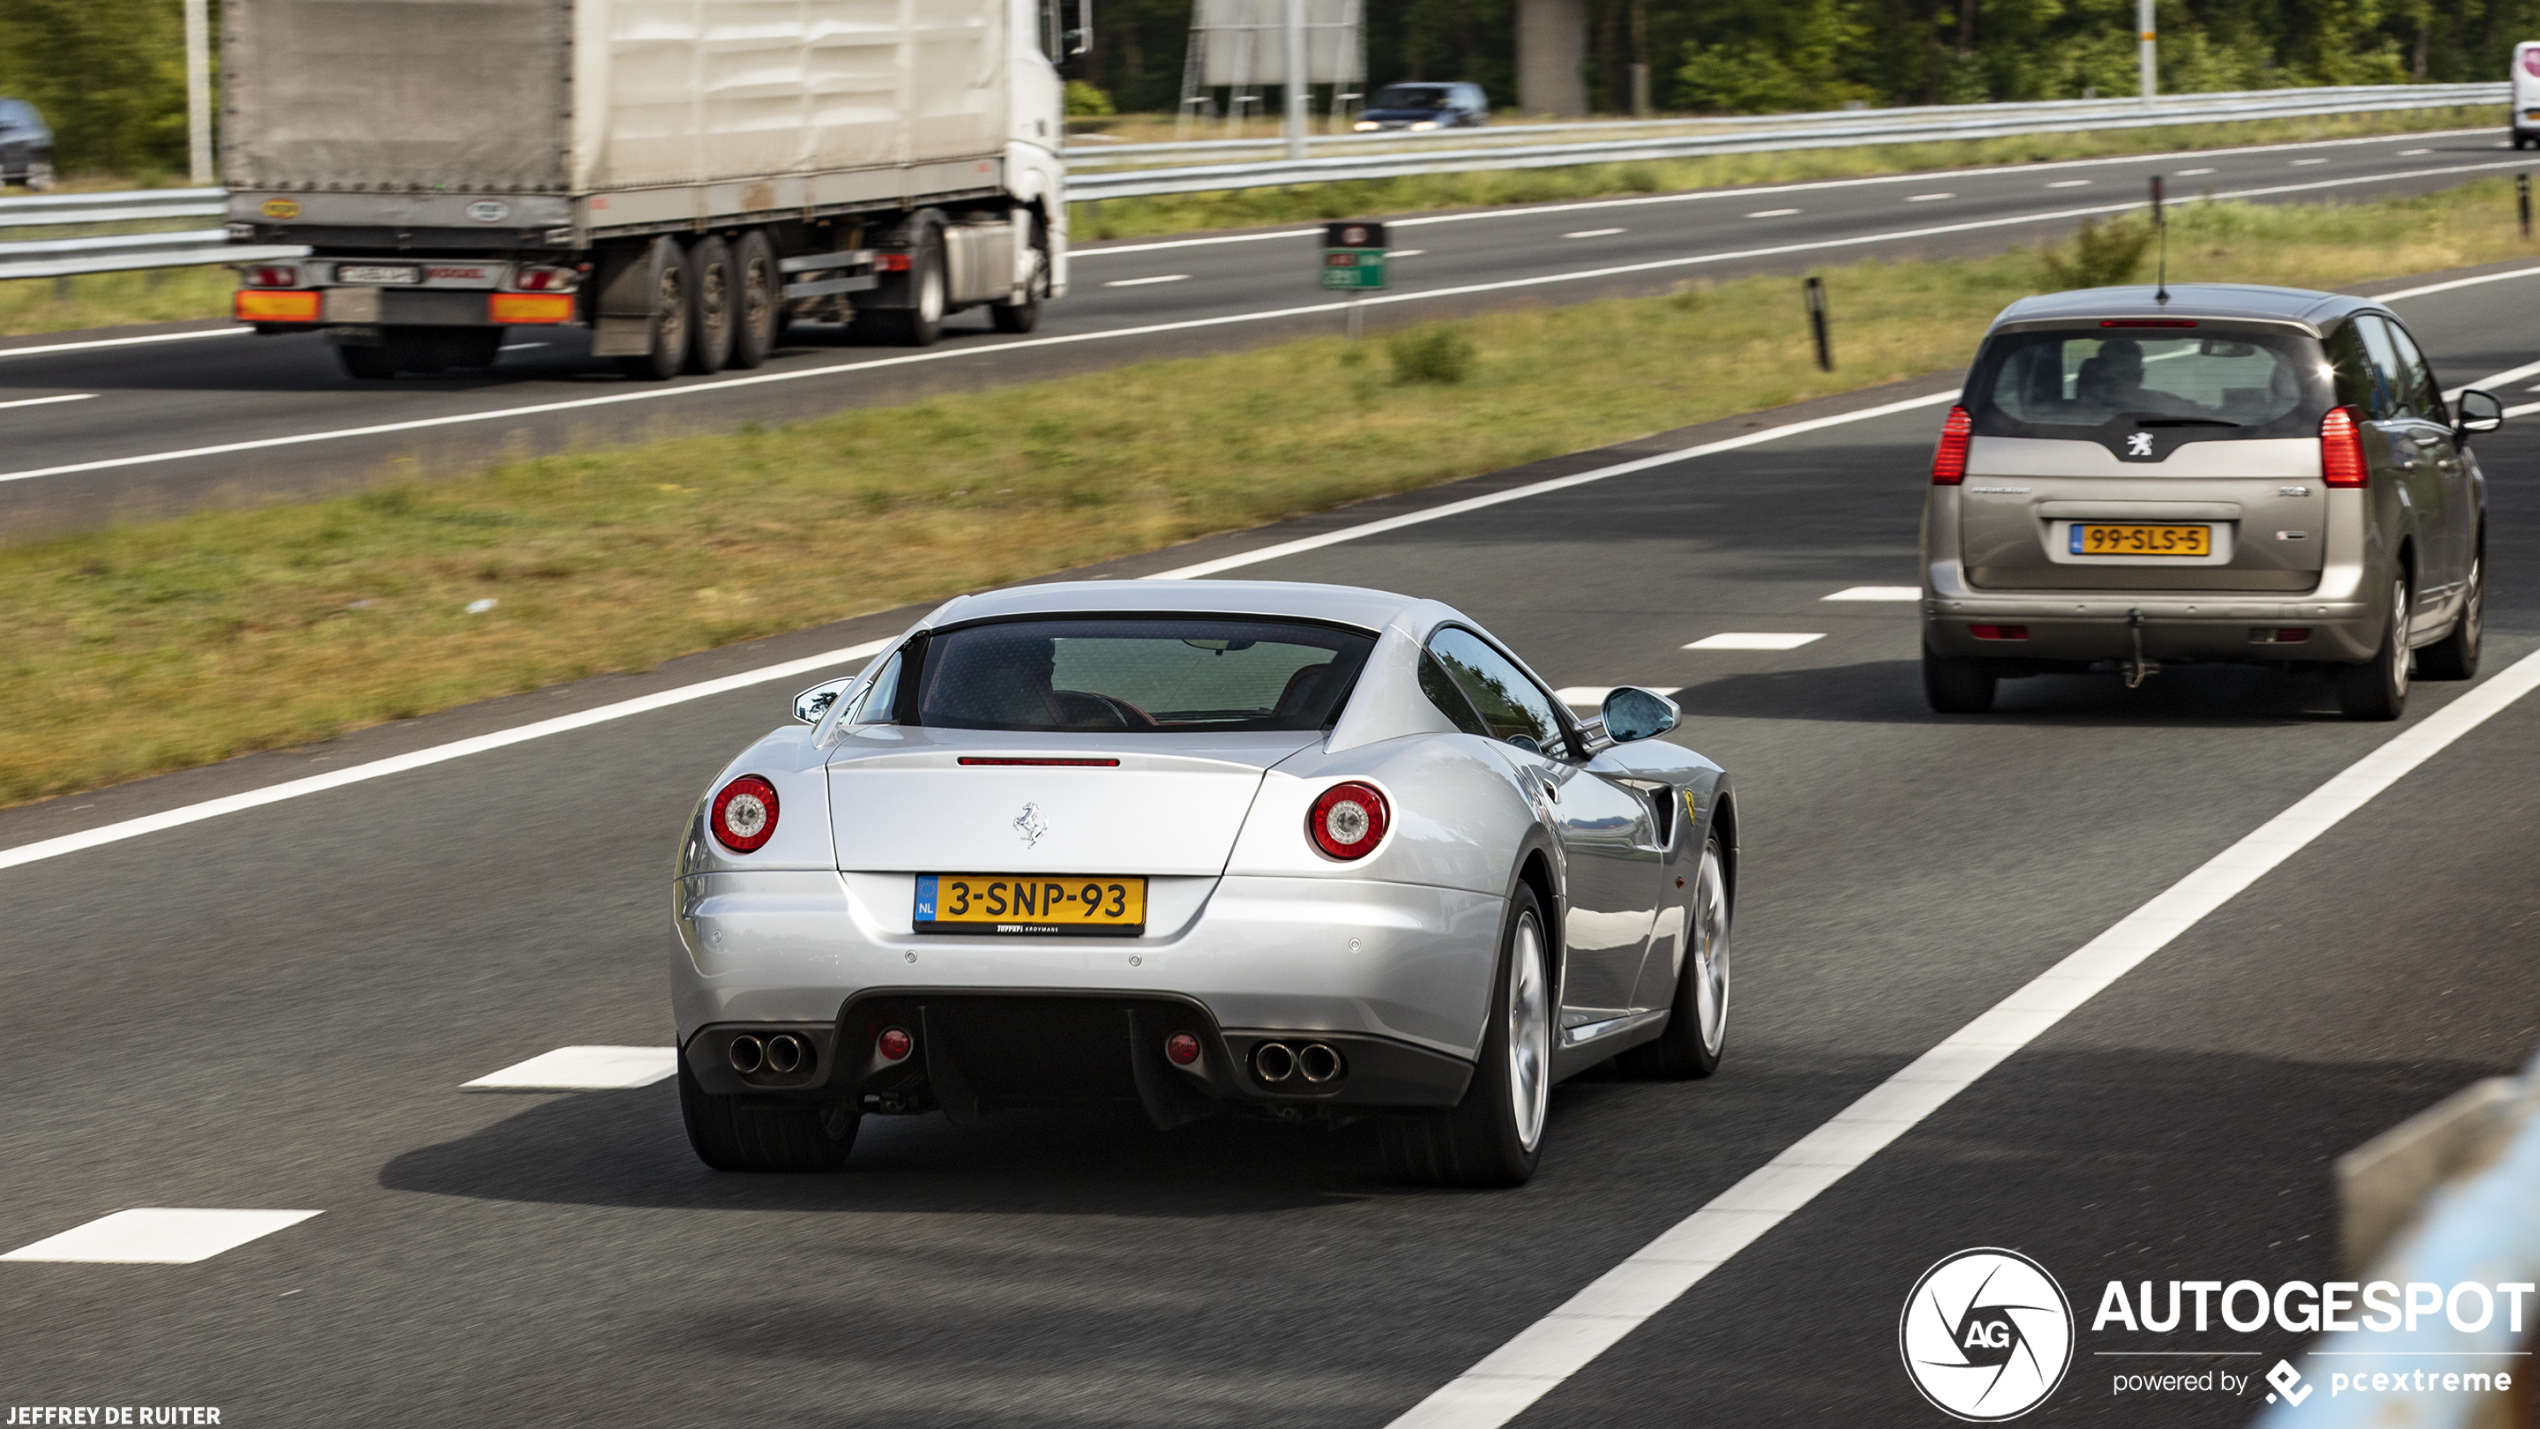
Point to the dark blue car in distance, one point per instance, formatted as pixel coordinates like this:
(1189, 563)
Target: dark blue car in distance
(1443, 105)
(26, 145)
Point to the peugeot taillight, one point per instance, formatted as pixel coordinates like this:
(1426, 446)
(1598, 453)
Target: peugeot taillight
(744, 814)
(1949, 459)
(1348, 820)
(2342, 449)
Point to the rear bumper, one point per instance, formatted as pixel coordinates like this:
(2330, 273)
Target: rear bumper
(2066, 626)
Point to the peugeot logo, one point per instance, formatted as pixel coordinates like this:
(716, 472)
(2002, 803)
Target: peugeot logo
(1986, 1335)
(2140, 444)
(1031, 825)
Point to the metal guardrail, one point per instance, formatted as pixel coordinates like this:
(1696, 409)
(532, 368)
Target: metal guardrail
(1374, 156)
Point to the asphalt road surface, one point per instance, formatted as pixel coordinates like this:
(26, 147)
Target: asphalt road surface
(184, 417)
(275, 1009)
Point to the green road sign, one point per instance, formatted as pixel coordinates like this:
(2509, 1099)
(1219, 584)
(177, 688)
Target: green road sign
(1353, 267)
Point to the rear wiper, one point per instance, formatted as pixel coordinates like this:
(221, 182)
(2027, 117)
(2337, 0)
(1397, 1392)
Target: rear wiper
(2183, 422)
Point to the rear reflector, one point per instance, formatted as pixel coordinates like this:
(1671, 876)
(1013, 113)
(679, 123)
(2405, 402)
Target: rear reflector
(530, 307)
(1998, 632)
(2271, 635)
(894, 1044)
(262, 307)
(1044, 763)
(1182, 1048)
(1949, 459)
(2342, 449)
(2148, 322)
(890, 262)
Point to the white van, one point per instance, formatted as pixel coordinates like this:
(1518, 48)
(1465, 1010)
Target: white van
(2526, 81)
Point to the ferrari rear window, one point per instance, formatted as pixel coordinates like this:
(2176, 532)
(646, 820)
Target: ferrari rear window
(2078, 383)
(1130, 675)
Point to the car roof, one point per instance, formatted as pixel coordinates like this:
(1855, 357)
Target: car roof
(2251, 302)
(1372, 610)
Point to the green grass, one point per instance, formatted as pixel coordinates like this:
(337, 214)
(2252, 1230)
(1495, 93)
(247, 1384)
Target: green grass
(93, 300)
(1246, 208)
(159, 646)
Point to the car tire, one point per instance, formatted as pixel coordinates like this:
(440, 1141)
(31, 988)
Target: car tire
(752, 1134)
(39, 176)
(1494, 1137)
(2455, 656)
(1957, 685)
(370, 364)
(1698, 1014)
(712, 289)
(2377, 689)
(758, 314)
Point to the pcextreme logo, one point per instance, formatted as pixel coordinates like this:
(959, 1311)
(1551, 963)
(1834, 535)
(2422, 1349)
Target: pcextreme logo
(1986, 1335)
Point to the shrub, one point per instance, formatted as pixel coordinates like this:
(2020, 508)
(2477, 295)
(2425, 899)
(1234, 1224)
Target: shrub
(2103, 255)
(1430, 354)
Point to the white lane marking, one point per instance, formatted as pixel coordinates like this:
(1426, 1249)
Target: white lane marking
(43, 401)
(1146, 282)
(1927, 198)
(2192, 173)
(1518, 493)
(125, 341)
(1706, 195)
(2300, 163)
(460, 749)
(1754, 640)
(423, 758)
(654, 394)
(158, 1236)
(1541, 1356)
(1406, 252)
(1595, 233)
(2494, 380)
(1593, 696)
(2069, 184)
(2412, 153)
(1877, 592)
(2455, 283)
(1773, 213)
(582, 1069)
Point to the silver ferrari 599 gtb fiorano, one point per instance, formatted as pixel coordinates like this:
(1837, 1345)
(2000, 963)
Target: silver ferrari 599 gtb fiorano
(1297, 851)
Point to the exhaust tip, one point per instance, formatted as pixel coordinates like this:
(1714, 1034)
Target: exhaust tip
(787, 1053)
(746, 1054)
(1273, 1062)
(1318, 1063)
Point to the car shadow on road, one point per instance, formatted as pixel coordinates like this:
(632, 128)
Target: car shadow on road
(1891, 692)
(627, 1148)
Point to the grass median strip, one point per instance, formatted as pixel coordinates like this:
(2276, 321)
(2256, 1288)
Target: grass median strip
(158, 646)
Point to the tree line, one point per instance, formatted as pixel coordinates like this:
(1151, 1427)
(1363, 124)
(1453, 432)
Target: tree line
(1760, 56)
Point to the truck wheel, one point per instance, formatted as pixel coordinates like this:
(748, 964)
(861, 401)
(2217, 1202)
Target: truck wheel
(2377, 689)
(710, 302)
(1026, 315)
(1953, 685)
(669, 288)
(1494, 1137)
(370, 364)
(918, 325)
(758, 299)
(748, 1134)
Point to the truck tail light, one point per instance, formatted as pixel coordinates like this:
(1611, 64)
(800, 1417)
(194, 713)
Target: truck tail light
(744, 814)
(530, 307)
(1998, 632)
(1949, 459)
(890, 262)
(543, 280)
(255, 305)
(2342, 449)
(273, 275)
(1348, 820)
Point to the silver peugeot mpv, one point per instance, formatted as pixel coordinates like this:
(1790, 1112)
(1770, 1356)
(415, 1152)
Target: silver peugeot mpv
(2136, 478)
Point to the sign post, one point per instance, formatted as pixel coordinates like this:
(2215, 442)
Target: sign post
(1354, 262)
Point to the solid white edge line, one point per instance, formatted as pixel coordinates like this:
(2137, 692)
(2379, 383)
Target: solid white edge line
(158, 1235)
(124, 341)
(1558, 483)
(46, 401)
(2496, 379)
(1541, 1356)
(582, 1068)
(2456, 282)
(424, 758)
(1701, 195)
(653, 394)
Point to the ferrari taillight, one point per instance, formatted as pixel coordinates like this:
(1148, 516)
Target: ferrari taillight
(2342, 449)
(744, 814)
(1949, 459)
(1348, 820)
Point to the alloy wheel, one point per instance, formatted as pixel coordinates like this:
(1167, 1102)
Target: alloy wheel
(1529, 1033)
(1711, 951)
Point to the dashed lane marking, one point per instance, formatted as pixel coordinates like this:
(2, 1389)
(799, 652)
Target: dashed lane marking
(1877, 592)
(1927, 198)
(123, 341)
(1754, 640)
(1509, 1379)
(2192, 173)
(2412, 153)
(2069, 184)
(1596, 233)
(582, 1069)
(1773, 213)
(2304, 163)
(44, 401)
(1146, 282)
(158, 1236)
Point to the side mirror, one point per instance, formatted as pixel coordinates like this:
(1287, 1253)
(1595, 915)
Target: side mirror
(2477, 412)
(1633, 713)
(811, 704)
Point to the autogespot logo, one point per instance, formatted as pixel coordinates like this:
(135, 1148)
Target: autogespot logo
(1986, 1335)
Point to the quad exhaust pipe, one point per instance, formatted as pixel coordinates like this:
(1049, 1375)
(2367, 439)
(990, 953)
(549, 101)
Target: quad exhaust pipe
(1315, 1062)
(783, 1054)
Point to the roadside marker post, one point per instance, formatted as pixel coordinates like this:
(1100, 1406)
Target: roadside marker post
(1354, 262)
(2522, 201)
(1816, 290)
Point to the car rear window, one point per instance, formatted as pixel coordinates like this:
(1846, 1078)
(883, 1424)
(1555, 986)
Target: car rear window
(1131, 675)
(2091, 383)
(1411, 96)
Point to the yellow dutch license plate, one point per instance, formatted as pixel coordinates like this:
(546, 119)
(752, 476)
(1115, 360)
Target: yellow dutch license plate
(1085, 905)
(2093, 538)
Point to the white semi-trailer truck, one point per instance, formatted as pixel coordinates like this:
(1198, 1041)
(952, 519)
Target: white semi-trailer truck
(680, 177)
